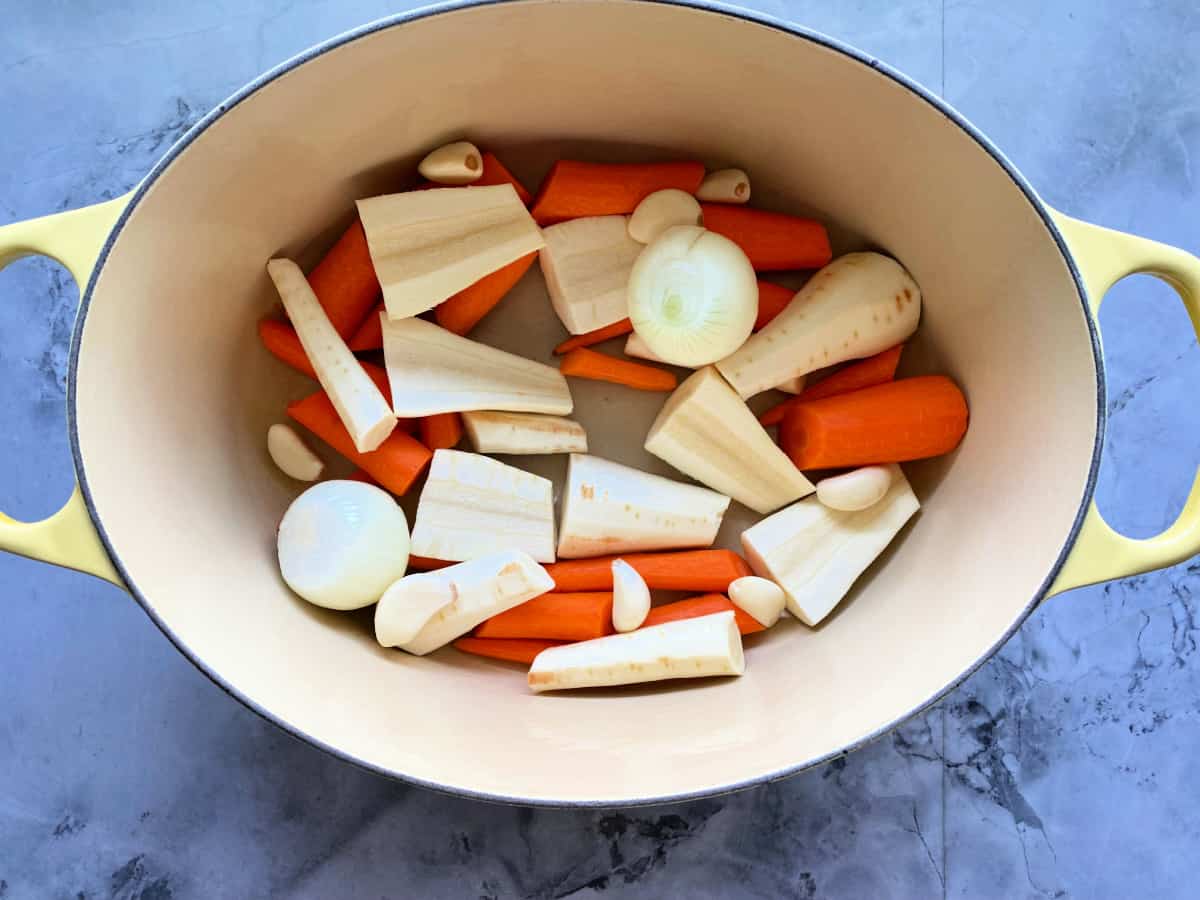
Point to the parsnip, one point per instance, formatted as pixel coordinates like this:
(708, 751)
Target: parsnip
(611, 508)
(432, 370)
(472, 591)
(359, 404)
(706, 431)
(689, 648)
(587, 264)
(815, 554)
(473, 505)
(523, 433)
(429, 245)
(858, 305)
(793, 385)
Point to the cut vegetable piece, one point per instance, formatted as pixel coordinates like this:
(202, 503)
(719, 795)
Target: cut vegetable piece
(560, 617)
(369, 335)
(693, 648)
(480, 589)
(573, 190)
(281, 340)
(584, 363)
(760, 597)
(725, 186)
(472, 505)
(774, 242)
(611, 508)
(877, 369)
(793, 385)
(523, 433)
(464, 310)
(442, 431)
(360, 405)
(692, 296)
(456, 163)
(662, 210)
(342, 543)
(704, 605)
(857, 306)
(631, 597)
(815, 554)
(429, 245)
(408, 605)
(687, 570)
(394, 464)
(508, 649)
(345, 283)
(292, 456)
(772, 300)
(587, 264)
(616, 329)
(859, 489)
(635, 345)
(706, 431)
(433, 371)
(914, 418)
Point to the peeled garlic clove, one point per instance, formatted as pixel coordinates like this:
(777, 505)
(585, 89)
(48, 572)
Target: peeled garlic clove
(725, 186)
(662, 210)
(457, 163)
(856, 490)
(293, 457)
(760, 597)
(631, 597)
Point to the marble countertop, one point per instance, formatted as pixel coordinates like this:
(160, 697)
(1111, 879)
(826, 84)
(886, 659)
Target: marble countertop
(1063, 768)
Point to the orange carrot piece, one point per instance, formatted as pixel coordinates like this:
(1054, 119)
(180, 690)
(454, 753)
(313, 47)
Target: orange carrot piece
(370, 333)
(463, 311)
(877, 369)
(914, 418)
(442, 431)
(560, 617)
(575, 341)
(281, 341)
(575, 189)
(583, 363)
(394, 465)
(773, 241)
(344, 281)
(772, 298)
(684, 570)
(426, 563)
(507, 649)
(704, 605)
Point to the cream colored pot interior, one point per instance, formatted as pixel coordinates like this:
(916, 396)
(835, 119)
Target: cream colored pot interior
(174, 393)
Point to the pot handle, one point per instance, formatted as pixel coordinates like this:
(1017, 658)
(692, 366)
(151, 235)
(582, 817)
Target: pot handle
(1105, 257)
(68, 537)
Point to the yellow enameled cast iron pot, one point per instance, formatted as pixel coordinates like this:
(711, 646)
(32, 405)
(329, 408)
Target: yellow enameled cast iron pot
(170, 395)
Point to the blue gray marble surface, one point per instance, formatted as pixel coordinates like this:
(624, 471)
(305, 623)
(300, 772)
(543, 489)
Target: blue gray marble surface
(1063, 768)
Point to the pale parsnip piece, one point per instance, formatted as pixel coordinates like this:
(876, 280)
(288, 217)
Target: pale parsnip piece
(858, 305)
(473, 505)
(689, 648)
(706, 431)
(429, 245)
(523, 433)
(816, 554)
(291, 455)
(859, 489)
(725, 186)
(587, 264)
(457, 163)
(793, 385)
(761, 598)
(611, 508)
(432, 370)
(359, 404)
(481, 588)
(662, 210)
(631, 597)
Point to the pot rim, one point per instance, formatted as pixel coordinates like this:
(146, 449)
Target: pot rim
(711, 6)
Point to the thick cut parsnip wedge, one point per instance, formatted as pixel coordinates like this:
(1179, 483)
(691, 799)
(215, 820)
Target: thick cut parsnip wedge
(587, 264)
(706, 431)
(460, 597)
(858, 305)
(473, 505)
(523, 433)
(688, 648)
(429, 245)
(815, 553)
(432, 370)
(611, 508)
(359, 403)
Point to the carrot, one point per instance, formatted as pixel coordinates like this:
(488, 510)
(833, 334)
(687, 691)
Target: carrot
(508, 649)
(913, 418)
(873, 370)
(344, 281)
(563, 617)
(370, 333)
(394, 465)
(583, 363)
(704, 605)
(773, 241)
(575, 189)
(463, 311)
(616, 329)
(426, 563)
(442, 431)
(685, 570)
